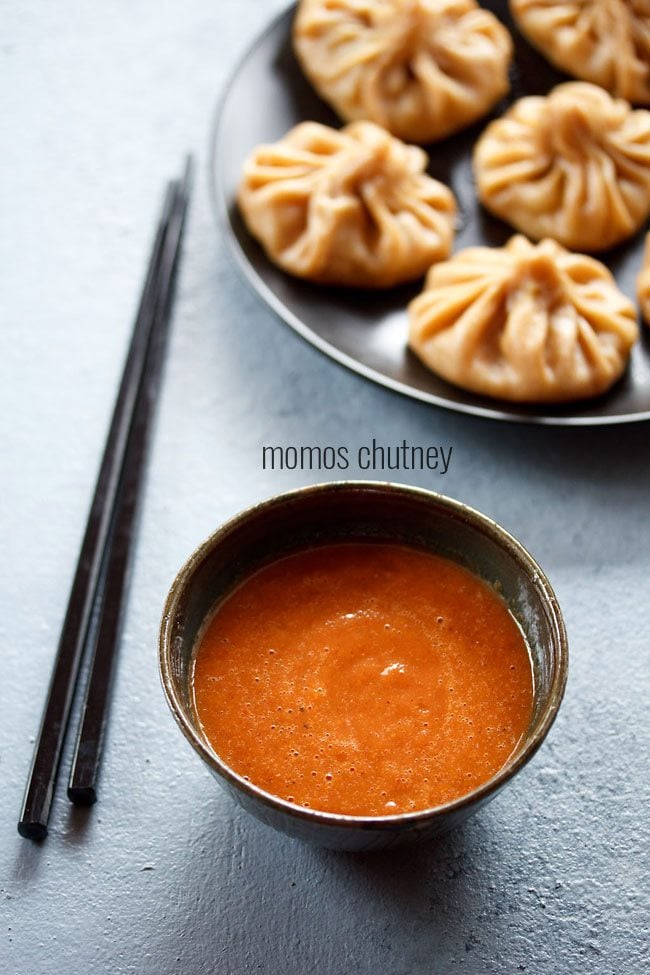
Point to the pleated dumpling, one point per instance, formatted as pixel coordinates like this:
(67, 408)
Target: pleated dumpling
(603, 41)
(574, 165)
(524, 322)
(420, 68)
(643, 283)
(350, 207)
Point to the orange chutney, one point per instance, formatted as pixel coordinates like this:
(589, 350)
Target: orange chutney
(367, 679)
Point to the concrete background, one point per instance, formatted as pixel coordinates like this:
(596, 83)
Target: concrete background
(165, 875)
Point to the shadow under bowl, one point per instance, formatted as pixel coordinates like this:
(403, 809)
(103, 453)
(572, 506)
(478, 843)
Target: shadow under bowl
(361, 511)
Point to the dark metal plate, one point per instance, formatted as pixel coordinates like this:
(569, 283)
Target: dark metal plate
(367, 332)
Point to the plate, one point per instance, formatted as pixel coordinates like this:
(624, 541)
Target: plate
(367, 331)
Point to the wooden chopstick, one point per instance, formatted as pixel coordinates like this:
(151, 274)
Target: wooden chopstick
(82, 787)
(51, 736)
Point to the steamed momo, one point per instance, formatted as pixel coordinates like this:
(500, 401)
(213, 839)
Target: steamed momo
(420, 68)
(643, 283)
(603, 41)
(574, 165)
(350, 207)
(525, 322)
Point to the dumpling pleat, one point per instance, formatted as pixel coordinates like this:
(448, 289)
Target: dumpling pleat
(349, 207)
(606, 42)
(421, 69)
(574, 166)
(525, 322)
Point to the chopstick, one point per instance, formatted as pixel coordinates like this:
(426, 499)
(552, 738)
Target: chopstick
(88, 575)
(82, 787)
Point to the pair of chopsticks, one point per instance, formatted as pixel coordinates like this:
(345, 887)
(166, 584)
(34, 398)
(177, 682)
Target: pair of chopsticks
(91, 627)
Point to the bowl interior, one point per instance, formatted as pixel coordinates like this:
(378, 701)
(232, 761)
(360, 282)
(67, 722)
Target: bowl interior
(365, 512)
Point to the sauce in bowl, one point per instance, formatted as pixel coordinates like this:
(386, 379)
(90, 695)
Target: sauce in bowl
(363, 678)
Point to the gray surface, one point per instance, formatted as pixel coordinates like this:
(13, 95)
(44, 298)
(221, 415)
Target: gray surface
(165, 875)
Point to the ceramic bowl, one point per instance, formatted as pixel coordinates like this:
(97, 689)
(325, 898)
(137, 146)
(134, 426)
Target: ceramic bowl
(361, 511)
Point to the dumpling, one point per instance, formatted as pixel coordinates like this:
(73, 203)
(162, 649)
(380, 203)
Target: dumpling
(524, 322)
(643, 283)
(574, 165)
(420, 68)
(350, 207)
(603, 41)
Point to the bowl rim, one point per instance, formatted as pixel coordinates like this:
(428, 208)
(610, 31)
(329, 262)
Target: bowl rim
(487, 526)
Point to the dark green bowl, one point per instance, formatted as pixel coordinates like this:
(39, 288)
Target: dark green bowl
(361, 511)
